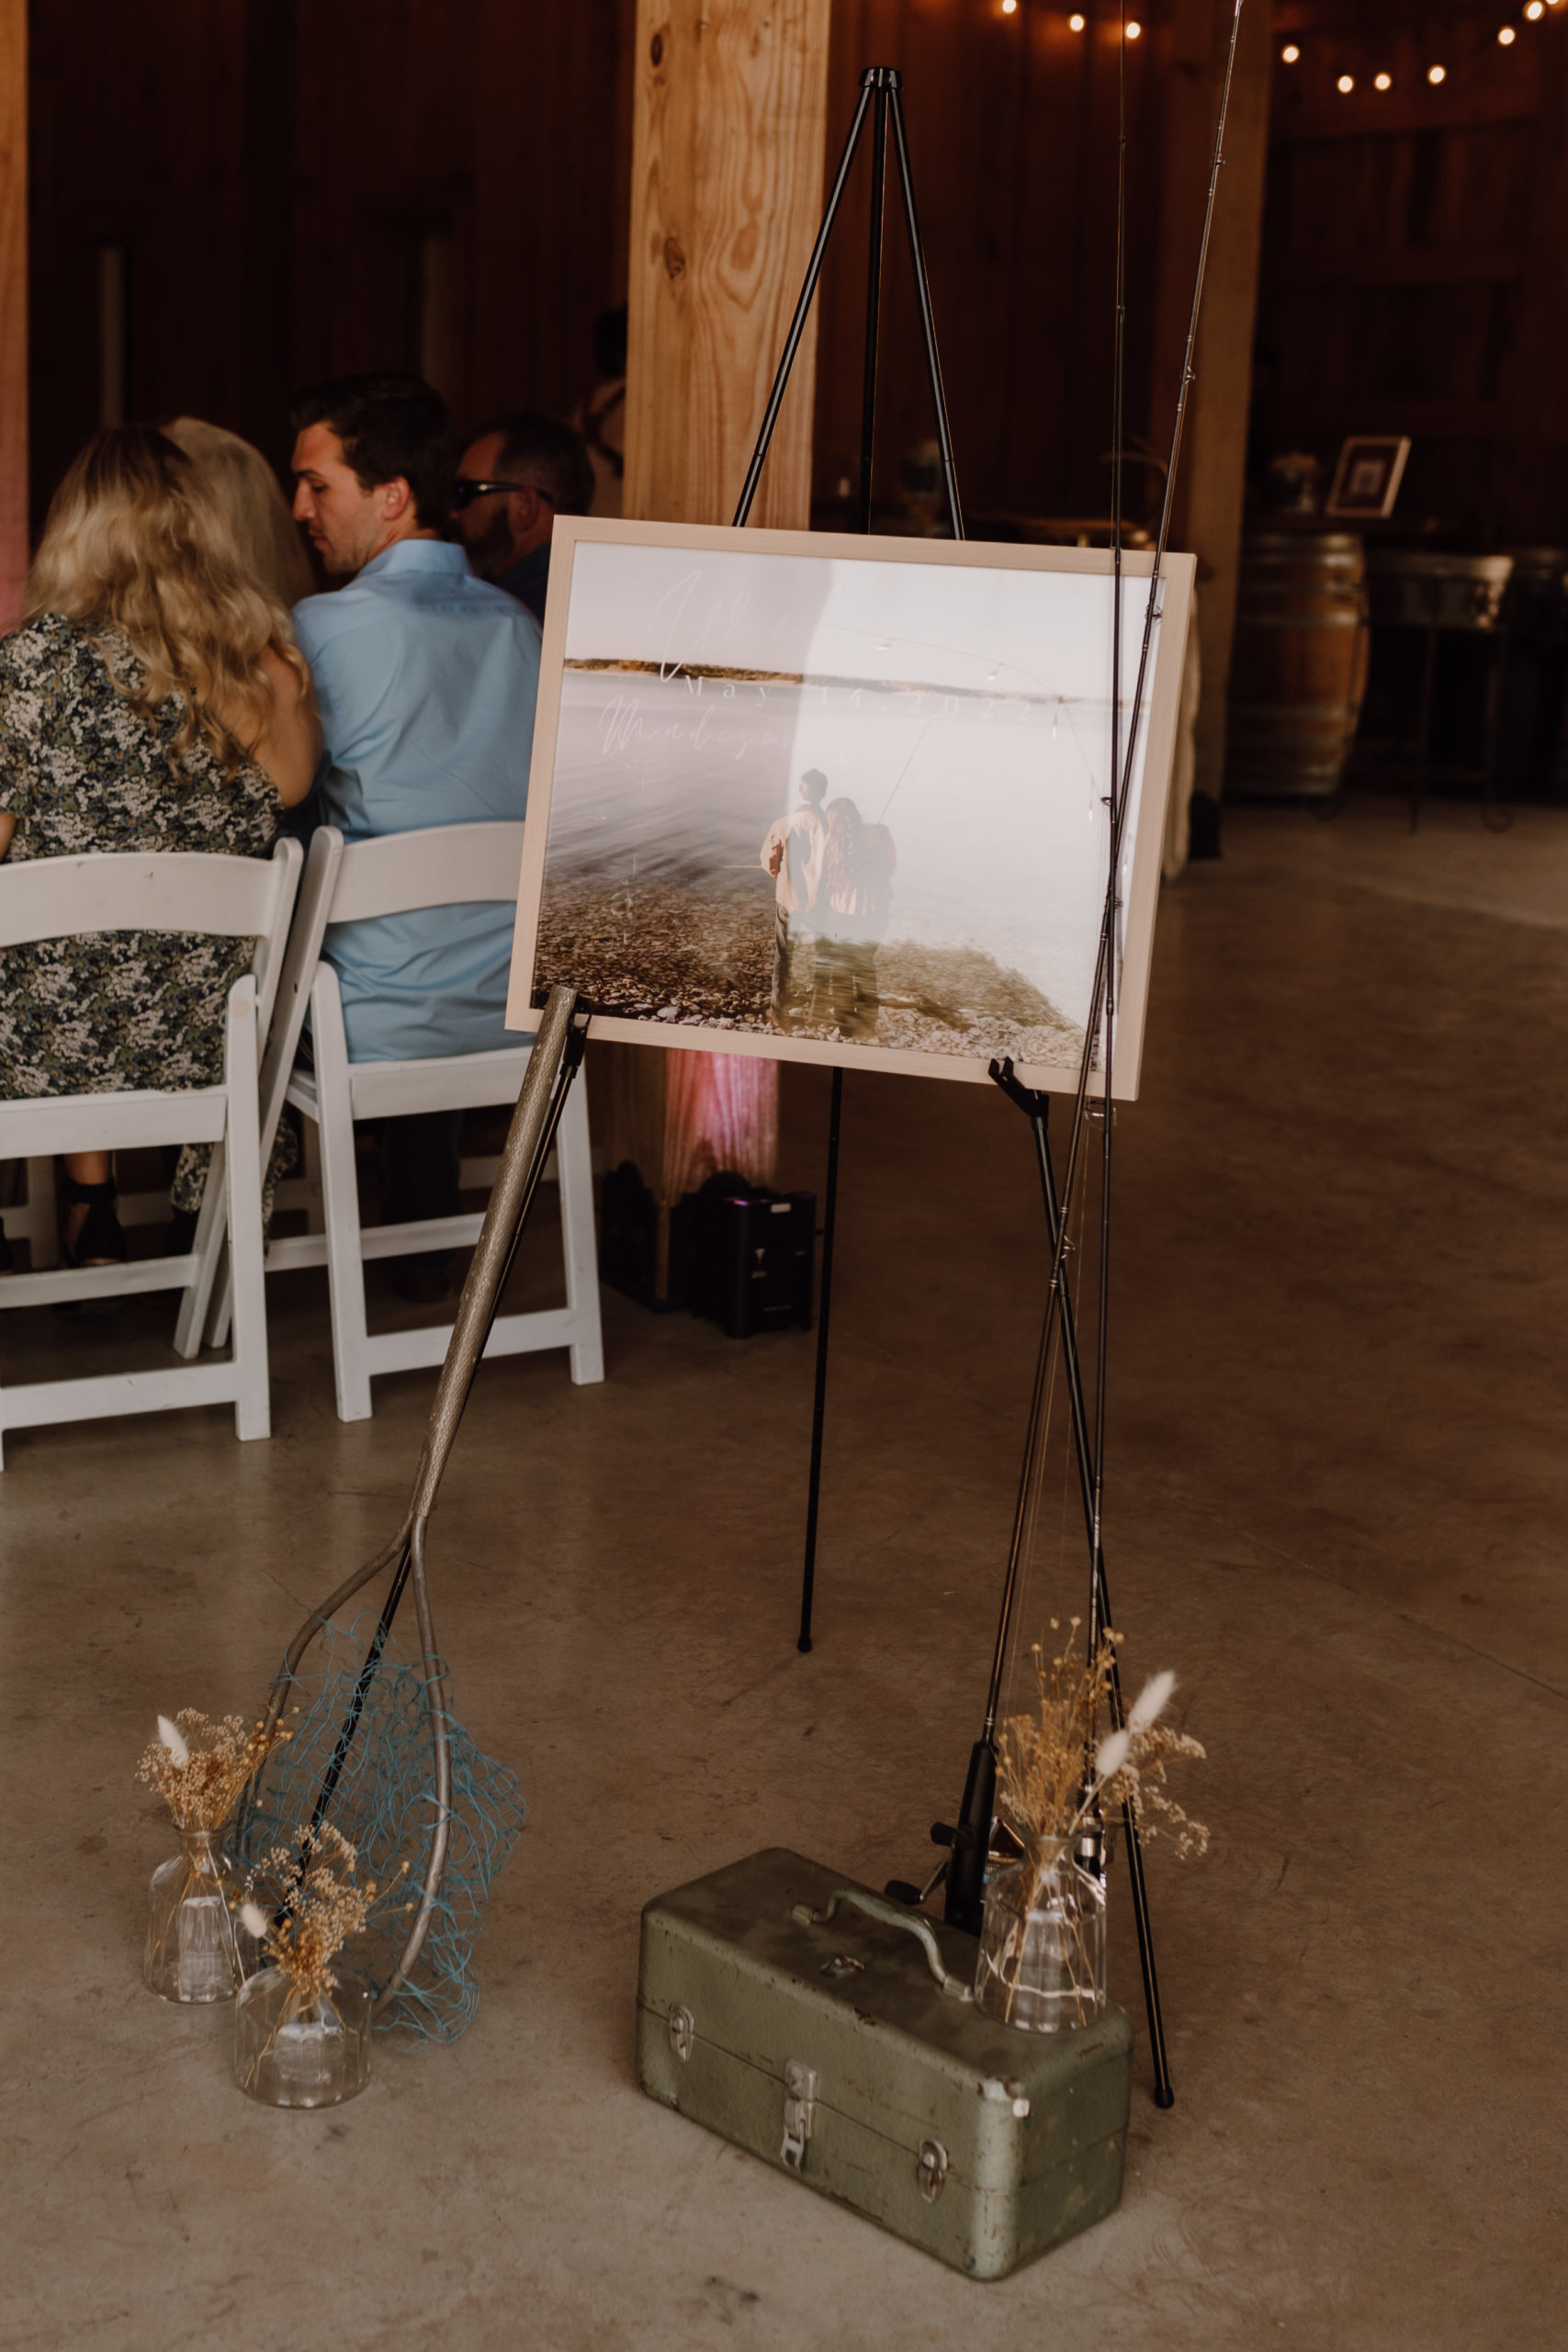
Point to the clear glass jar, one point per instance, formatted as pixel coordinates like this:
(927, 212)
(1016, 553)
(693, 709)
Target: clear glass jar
(290, 2051)
(191, 1954)
(1041, 1963)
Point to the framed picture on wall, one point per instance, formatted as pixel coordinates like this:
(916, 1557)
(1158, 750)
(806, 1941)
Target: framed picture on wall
(842, 799)
(1367, 478)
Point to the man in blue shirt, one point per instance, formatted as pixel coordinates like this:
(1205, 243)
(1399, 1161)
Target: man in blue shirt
(426, 679)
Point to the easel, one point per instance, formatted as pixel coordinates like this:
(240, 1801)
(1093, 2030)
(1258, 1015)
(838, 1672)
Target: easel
(881, 96)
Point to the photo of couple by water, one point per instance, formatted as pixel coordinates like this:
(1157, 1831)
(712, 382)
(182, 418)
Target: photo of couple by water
(857, 804)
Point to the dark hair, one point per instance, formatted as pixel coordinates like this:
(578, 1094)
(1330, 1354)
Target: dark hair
(392, 427)
(610, 342)
(548, 454)
(815, 776)
(844, 845)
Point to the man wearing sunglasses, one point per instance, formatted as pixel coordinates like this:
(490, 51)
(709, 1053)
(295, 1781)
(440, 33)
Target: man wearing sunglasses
(515, 477)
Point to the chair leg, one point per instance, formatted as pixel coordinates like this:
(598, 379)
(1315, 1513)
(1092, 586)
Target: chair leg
(208, 1254)
(43, 1233)
(252, 1406)
(585, 1357)
(340, 1202)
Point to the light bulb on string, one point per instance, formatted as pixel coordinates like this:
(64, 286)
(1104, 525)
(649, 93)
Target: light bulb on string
(1345, 84)
(1074, 24)
(1536, 10)
(1134, 30)
(1436, 74)
(1290, 53)
(1383, 80)
(1507, 36)
(1009, 8)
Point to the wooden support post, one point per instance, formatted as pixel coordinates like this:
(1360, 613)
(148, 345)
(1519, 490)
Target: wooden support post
(1211, 486)
(729, 122)
(13, 307)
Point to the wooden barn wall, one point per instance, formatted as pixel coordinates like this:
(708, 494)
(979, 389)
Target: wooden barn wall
(1012, 126)
(305, 186)
(292, 183)
(1415, 255)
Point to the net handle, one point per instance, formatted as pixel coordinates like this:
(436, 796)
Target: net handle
(527, 1143)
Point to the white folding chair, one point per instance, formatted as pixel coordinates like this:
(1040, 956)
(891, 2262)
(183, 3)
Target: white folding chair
(227, 898)
(445, 866)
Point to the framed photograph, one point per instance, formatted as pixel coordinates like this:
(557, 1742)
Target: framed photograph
(841, 799)
(1367, 478)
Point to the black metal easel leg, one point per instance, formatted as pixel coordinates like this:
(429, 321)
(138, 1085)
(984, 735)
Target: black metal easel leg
(880, 93)
(819, 1406)
(1037, 1106)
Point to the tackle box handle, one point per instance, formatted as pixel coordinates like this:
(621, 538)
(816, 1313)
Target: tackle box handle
(890, 1915)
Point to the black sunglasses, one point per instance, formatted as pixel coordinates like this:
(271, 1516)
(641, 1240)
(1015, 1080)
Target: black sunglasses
(466, 490)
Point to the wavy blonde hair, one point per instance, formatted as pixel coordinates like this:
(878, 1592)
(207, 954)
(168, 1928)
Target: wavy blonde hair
(248, 494)
(136, 541)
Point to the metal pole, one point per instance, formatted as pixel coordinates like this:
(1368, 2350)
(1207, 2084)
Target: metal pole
(1089, 1489)
(820, 1402)
(797, 325)
(873, 82)
(923, 297)
(873, 298)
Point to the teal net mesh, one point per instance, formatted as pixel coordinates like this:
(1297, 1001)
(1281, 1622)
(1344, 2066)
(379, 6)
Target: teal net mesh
(385, 1803)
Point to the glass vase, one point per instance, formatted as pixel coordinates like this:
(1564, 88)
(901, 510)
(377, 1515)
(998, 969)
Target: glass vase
(1041, 1963)
(191, 1954)
(294, 2049)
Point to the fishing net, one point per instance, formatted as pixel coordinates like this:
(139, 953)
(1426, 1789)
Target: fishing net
(374, 1750)
(385, 1802)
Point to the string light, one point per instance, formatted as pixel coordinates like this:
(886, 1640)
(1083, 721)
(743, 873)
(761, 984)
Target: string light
(1436, 74)
(1345, 84)
(1009, 8)
(1074, 24)
(1134, 30)
(1536, 10)
(1507, 36)
(1290, 53)
(1383, 81)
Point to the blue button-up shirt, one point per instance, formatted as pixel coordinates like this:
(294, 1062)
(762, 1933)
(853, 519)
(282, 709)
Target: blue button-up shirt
(426, 679)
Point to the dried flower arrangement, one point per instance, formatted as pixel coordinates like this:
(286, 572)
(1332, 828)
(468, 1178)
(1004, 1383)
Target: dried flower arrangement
(1054, 1778)
(317, 1906)
(1042, 1948)
(199, 1767)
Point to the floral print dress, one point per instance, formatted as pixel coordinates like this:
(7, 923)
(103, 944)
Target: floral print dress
(80, 769)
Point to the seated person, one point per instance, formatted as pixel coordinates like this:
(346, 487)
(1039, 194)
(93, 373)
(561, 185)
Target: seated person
(426, 679)
(514, 479)
(153, 698)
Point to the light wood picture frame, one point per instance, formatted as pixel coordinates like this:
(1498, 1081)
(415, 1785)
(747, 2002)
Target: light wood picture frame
(709, 702)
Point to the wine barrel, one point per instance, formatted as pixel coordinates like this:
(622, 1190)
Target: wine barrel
(1299, 667)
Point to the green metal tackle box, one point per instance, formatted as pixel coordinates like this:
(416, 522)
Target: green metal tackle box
(802, 2017)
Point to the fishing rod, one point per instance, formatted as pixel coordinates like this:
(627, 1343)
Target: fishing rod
(971, 1836)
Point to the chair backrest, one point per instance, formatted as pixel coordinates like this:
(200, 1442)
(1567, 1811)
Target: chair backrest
(441, 865)
(169, 891)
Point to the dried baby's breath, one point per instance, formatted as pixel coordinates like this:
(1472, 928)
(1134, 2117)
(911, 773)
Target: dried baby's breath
(199, 1767)
(1052, 1777)
(316, 1905)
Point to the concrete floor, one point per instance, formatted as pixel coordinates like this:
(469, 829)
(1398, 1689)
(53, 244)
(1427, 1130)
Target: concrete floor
(1338, 1470)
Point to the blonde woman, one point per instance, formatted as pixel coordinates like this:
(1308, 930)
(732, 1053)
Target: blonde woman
(248, 496)
(153, 698)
